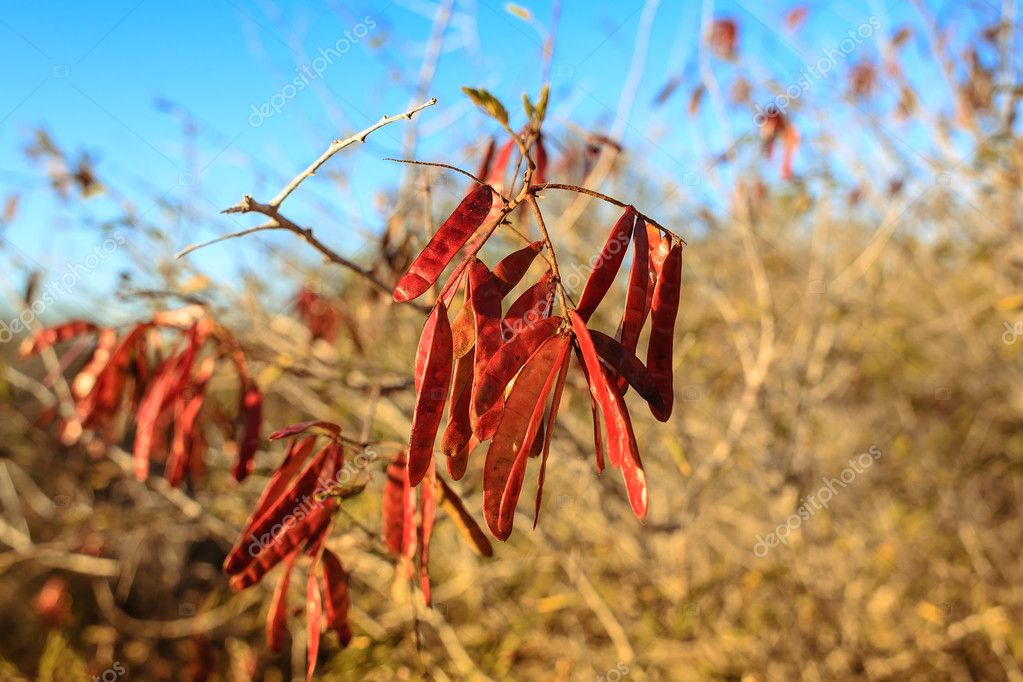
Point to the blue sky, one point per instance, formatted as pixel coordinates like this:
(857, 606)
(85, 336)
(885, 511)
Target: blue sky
(94, 77)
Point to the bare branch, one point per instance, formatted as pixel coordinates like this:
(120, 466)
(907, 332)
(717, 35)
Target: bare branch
(338, 145)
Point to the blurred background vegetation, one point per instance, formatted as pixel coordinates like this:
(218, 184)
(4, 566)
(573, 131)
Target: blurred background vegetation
(870, 299)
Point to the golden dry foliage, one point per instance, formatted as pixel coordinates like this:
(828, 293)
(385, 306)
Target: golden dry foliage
(836, 496)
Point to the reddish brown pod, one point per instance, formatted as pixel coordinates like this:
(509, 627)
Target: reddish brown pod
(432, 380)
(162, 385)
(451, 237)
(665, 305)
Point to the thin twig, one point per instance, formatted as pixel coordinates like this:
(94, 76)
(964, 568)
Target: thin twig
(224, 237)
(280, 222)
(603, 197)
(442, 165)
(338, 145)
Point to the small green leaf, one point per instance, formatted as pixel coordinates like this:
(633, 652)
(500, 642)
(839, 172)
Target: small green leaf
(488, 103)
(528, 106)
(541, 103)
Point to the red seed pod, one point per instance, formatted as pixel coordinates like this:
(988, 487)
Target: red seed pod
(533, 305)
(457, 438)
(463, 329)
(186, 413)
(664, 310)
(451, 237)
(505, 465)
(427, 515)
(540, 176)
(499, 170)
(312, 525)
(511, 269)
(399, 507)
(552, 416)
(623, 450)
(485, 298)
(488, 400)
(261, 533)
(433, 378)
(252, 412)
(295, 457)
(626, 365)
(620, 432)
(635, 314)
(277, 618)
(597, 382)
(337, 602)
(608, 262)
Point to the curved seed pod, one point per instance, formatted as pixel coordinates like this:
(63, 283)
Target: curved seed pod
(609, 261)
(186, 414)
(663, 312)
(298, 451)
(464, 522)
(625, 364)
(103, 392)
(455, 442)
(432, 383)
(463, 329)
(505, 466)
(161, 392)
(51, 336)
(428, 513)
(455, 279)
(552, 415)
(398, 506)
(507, 361)
(452, 236)
(513, 267)
(659, 248)
(277, 619)
(313, 616)
(260, 534)
(252, 409)
(485, 297)
(500, 168)
(597, 381)
(620, 431)
(621, 440)
(598, 429)
(312, 525)
(337, 603)
(540, 176)
(533, 305)
(635, 312)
